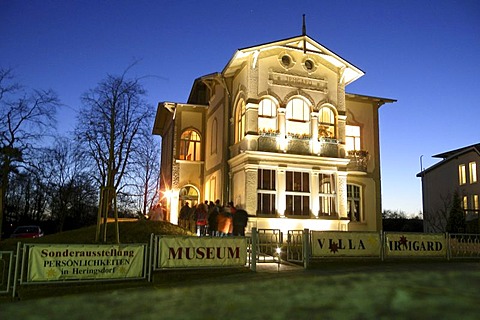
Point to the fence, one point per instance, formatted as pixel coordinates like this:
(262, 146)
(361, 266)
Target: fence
(64, 263)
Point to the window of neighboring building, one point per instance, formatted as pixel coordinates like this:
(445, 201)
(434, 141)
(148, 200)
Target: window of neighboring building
(352, 137)
(354, 202)
(267, 116)
(213, 141)
(297, 192)
(326, 123)
(240, 121)
(298, 117)
(190, 146)
(266, 182)
(327, 194)
(462, 176)
(472, 166)
(464, 203)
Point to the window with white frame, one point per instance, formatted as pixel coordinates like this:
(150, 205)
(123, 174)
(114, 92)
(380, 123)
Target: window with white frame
(327, 195)
(326, 123)
(240, 121)
(266, 191)
(352, 138)
(472, 170)
(462, 174)
(297, 116)
(267, 116)
(297, 191)
(354, 200)
(190, 144)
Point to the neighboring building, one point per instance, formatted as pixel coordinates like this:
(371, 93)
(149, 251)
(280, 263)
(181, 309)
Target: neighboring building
(276, 133)
(456, 172)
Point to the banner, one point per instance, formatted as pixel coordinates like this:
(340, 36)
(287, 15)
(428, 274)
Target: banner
(84, 262)
(345, 244)
(187, 252)
(415, 244)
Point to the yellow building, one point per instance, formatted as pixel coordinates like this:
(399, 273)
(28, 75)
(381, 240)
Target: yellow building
(276, 133)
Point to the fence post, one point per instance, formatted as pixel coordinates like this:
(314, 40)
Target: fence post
(253, 259)
(306, 248)
(449, 253)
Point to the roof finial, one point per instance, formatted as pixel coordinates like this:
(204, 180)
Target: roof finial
(304, 27)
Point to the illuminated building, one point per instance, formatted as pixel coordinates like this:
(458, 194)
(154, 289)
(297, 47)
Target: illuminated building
(276, 133)
(456, 172)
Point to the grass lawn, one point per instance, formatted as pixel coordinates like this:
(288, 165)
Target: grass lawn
(339, 289)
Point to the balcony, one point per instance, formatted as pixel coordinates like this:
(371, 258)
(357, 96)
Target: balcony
(358, 160)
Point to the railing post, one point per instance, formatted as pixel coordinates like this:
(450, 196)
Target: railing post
(253, 259)
(306, 248)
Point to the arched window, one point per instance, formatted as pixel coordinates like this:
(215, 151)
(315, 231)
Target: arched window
(190, 144)
(240, 121)
(326, 123)
(267, 116)
(298, 117)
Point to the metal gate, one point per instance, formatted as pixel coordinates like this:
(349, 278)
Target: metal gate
(295, 246)
(269, 245)
(6, 270)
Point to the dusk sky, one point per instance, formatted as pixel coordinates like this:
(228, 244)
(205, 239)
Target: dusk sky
(425, 54)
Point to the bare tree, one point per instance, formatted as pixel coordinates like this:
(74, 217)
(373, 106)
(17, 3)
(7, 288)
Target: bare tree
(108, 128)
(147, 173)
(27, 117)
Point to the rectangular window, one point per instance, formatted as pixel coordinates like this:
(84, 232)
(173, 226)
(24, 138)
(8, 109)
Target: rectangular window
(462, 176)
(297, 192)
(472, 166)
(352, 137)
(266, 191)
(475, 202)
(464, 203)
(354, 203)
(327, 195)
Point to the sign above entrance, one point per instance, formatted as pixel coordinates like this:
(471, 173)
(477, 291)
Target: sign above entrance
(289, 80)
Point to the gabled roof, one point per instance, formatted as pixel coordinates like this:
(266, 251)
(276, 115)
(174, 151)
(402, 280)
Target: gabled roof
(301, 43)
(456, 152)
(448, 155)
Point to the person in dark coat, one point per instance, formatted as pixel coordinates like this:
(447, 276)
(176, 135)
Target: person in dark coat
(214, 210)
(240, 220)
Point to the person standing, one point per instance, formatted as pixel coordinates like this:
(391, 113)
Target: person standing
(240, 220)
(201, 219)
(213, 219)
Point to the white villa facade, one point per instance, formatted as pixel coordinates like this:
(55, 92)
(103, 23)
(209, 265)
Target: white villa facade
(276, 133)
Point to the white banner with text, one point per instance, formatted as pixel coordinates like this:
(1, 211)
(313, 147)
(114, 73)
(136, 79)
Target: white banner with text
(187, 252)
(345, 244)
(415, 244)
(84, 262)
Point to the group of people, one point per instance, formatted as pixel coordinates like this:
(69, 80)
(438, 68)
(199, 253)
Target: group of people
(214, 219)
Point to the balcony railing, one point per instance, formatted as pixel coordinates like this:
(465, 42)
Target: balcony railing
(358, 160)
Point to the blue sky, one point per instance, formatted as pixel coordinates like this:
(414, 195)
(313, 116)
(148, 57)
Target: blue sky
(422, 53)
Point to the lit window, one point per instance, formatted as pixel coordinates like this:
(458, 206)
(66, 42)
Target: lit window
(297, 192)
(472, 166)
(266, 192)
(462, 177)
(298, 117)
(190, 146)
(326, 123)
(475, 202)
(353, 202)
(352, 138)
(267, 116)
(327, 195)
(464, 203)
(240, 121)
